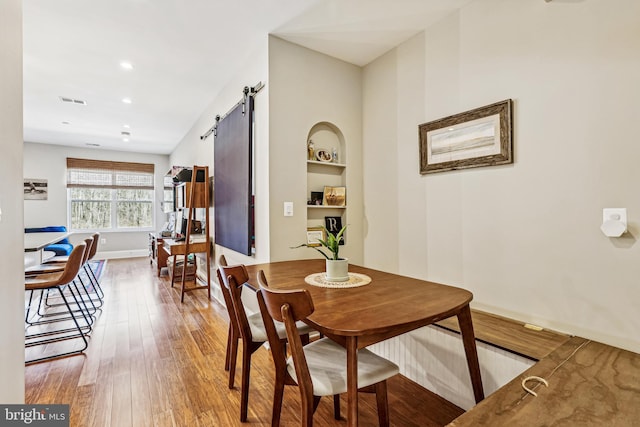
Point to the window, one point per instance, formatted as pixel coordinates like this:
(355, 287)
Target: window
(168, 204)
(105, 195)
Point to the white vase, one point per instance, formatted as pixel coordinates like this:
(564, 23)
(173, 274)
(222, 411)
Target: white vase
(337, 270)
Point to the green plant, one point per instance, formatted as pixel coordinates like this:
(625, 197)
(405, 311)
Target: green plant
(332, 243)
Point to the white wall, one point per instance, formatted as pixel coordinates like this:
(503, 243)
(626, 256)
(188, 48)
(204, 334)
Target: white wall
(11, 194)
(524, 238)
(302, 88)
(49, 162)
(193, 151)
(306, 88)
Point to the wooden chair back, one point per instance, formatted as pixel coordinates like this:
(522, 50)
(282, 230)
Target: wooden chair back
(278, 350)
(232, 280)
(222, 261)
(89, 243)
(289, 307)
(73, 265)
(94, 247)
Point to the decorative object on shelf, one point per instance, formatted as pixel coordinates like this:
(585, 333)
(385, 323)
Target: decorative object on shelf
(310, 151)
(333, 224)
(335, 196)
(479, 137)
(314, 236)
(316, 197)
(337, 269)
(334, 155)
(323, 155)
(175, 170)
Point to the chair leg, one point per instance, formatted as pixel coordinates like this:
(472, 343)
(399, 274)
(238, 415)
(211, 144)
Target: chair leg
(173, 269)
(28, 310)
(95, 281)
(382, 403)
(278, 395)
(336, 406)
(80, 334)
(233, 354)
(227, 357)
(308, 409)
(246, 371)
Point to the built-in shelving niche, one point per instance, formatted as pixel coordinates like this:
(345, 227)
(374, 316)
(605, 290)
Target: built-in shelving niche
(326, 136)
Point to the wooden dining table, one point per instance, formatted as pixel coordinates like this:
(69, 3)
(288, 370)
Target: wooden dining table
(388, 306)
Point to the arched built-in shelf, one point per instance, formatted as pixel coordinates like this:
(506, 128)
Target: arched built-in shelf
(332, 173)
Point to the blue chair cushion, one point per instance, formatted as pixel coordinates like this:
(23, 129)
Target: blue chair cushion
(60, 248)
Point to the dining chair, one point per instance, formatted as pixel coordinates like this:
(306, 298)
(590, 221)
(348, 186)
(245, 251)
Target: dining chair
(320, 367)
(278, 354)
(86, 304)
(222, 262)
(248, 328)
(94, 281)
(59, 282)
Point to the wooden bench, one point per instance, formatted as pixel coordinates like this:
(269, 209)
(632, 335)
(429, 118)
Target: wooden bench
(589, 384)
(510, 335)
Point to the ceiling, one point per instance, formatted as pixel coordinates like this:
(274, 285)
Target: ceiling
(74, 84)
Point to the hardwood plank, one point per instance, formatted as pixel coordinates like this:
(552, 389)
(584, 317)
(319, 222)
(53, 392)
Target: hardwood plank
(153, 361)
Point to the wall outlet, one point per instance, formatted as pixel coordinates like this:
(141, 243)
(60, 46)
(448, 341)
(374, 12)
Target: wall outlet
(103, 241)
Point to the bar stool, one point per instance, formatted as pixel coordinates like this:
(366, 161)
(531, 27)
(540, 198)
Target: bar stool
(59, 282)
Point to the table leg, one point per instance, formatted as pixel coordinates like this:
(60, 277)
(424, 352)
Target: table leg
(469, 341)
(352, 381)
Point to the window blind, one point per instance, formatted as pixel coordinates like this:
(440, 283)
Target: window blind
(86, 173)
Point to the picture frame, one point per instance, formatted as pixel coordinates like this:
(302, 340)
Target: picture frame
(333, 224)
(35, 189)
(334, 196)
(474, 138)
(314, 234)
(324, 155)
(316, 198)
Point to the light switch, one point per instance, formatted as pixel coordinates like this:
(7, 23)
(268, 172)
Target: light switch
(288, 208)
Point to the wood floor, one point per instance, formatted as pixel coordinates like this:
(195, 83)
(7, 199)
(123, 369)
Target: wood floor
(153, 361)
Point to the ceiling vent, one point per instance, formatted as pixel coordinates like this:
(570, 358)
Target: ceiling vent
(73, 101)
(125, 133)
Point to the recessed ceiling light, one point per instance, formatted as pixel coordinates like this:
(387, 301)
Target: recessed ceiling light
(126, 100)
(126, 65)
(126, 126)
(125, 139)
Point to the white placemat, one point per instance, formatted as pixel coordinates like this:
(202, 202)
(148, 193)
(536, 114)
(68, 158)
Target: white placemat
(355, 280)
